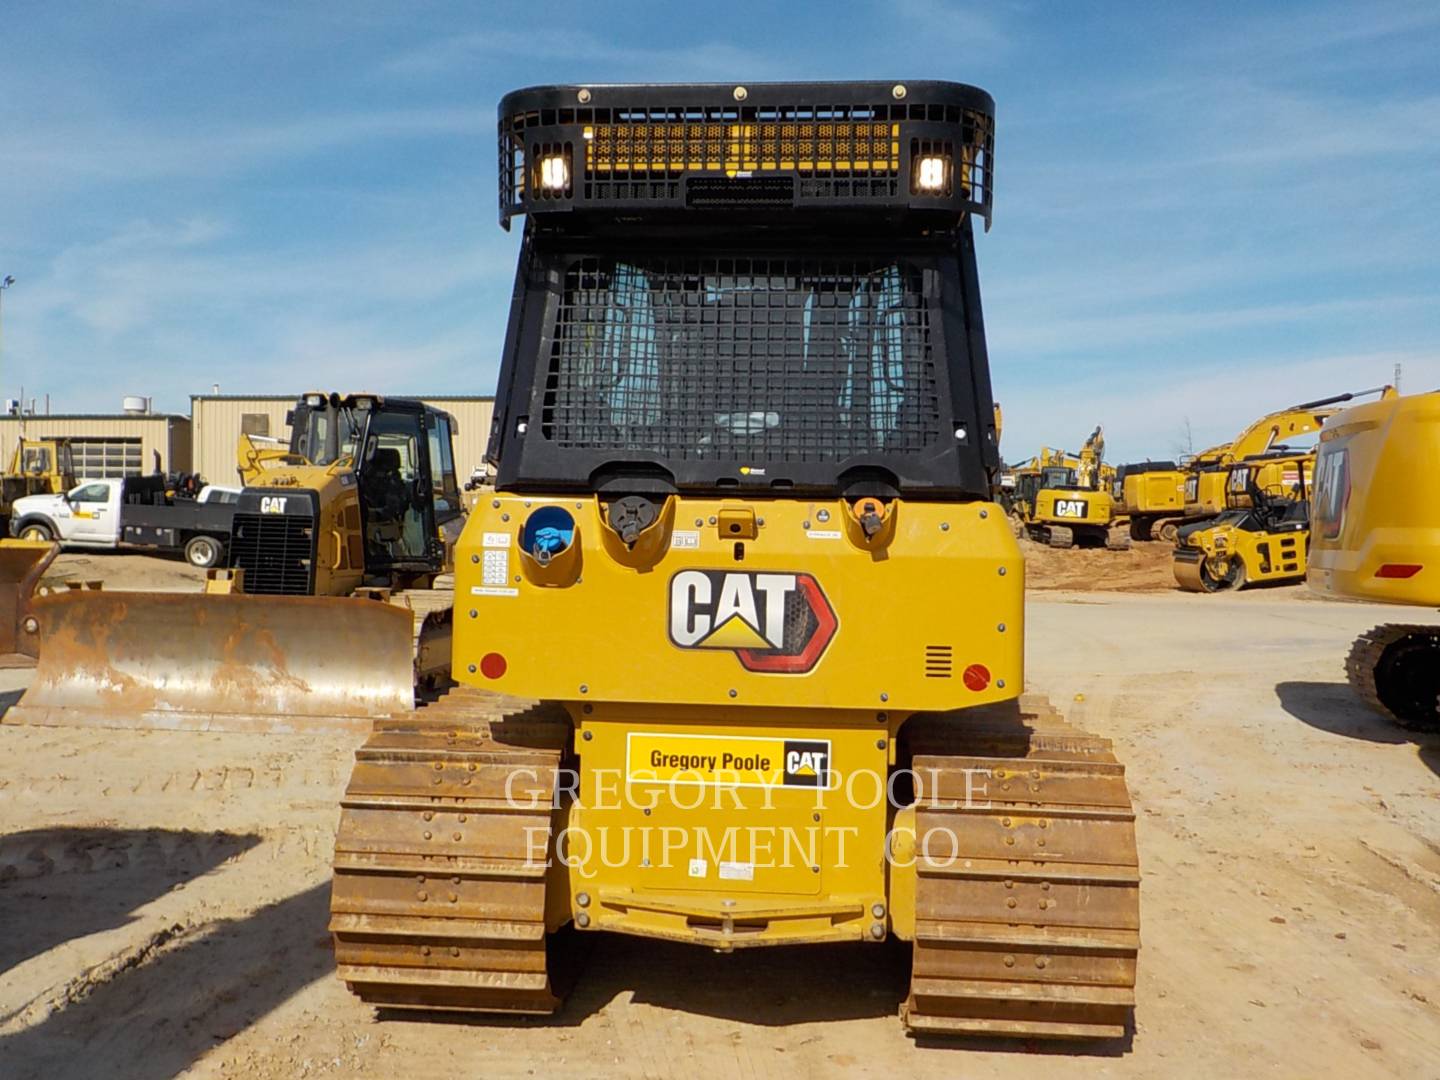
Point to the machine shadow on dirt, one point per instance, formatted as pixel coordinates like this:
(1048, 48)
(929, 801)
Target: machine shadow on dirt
(1334, 707)
(247, 968)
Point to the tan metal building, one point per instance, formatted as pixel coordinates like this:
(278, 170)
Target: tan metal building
(109, 445)
(220, 419)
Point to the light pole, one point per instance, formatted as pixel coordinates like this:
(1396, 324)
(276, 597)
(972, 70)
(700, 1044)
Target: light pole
(5, 283)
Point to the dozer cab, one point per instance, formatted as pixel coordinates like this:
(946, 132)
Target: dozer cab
(37, 467)
(1263, 534)
(1068, 500)
(354, 511)
(741, 549)
(1376, 537)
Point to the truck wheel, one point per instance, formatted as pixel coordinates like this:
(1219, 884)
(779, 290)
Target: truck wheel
(203, 551)
(36, 531)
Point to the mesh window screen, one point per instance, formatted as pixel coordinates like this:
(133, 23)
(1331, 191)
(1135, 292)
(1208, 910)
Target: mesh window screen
(761, 359)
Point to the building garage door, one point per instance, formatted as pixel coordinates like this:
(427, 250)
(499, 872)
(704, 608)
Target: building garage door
(96, 459)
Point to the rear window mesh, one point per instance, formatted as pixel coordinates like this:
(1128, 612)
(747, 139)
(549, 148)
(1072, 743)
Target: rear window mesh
(746, 359)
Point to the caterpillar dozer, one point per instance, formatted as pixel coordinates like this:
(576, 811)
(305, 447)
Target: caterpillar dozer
(1375, 537)
(37, 467)
(1263, 535)
(353, 511)
(744, 440)
(1067, 500)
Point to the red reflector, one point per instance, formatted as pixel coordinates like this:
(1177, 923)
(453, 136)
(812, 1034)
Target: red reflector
(977, 677)
(1399, 570)
(493, 665)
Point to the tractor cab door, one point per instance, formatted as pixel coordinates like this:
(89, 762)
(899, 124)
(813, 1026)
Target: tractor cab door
(396, 495)
(443, 481)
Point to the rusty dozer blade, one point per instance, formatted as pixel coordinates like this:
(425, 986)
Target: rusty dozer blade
(22, 564)
(218, 663)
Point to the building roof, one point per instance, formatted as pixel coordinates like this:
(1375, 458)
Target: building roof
(293, 397)
(31, 418)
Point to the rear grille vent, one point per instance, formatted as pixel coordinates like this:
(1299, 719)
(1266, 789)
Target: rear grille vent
(276, 551)
(741, 191)
(939, 661)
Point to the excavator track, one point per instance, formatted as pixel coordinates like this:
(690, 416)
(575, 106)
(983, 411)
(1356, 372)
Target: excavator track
(1405, 684)
(439, 894)
(1027, 903)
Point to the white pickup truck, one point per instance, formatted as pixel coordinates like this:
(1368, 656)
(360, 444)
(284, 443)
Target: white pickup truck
(134, 512)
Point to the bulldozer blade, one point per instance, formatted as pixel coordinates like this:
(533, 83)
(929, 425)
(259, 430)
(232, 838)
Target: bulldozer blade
(22, 564)
(185, 662)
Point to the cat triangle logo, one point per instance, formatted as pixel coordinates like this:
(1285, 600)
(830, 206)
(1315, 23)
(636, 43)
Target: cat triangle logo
(734, 633)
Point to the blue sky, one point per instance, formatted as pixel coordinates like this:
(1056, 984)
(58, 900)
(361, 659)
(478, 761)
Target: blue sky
(1202, 211)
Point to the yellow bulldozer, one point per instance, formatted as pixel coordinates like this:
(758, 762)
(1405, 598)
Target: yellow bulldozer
(1067, 500)
(37, 467)
(355, 509)
(1262, 535)
(1374, 539)
(743, 439)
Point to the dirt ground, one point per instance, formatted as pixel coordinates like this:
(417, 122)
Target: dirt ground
(1144, 568)
(122, 570)
(163, 895)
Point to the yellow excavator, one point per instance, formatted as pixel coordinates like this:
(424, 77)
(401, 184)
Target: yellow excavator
(1206, 475)
(1151, 494)
(744, 437)
(1067, 500)
(1263, 534)
(1376, 538)
(361, 506)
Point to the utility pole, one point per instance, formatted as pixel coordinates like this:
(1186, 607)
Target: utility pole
(1397, 376)
(5, 283)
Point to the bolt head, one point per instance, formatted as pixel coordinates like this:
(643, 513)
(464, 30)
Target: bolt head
(878, 910)
(734, 692)
(741, 93)
(588, 736)
(877, 931)
(582, 920)
(583, 96)
(898, 91)
(583, 899)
